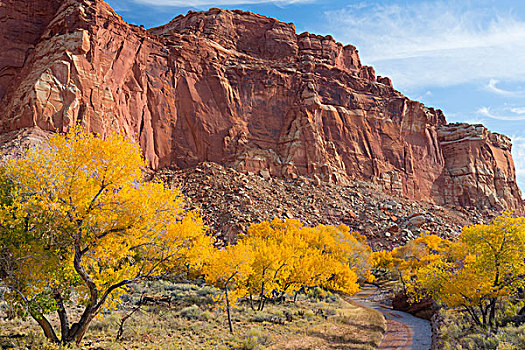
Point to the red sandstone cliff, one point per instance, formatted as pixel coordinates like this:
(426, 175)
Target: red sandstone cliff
(243, 90)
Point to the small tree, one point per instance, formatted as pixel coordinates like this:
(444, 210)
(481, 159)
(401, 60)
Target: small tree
(77, 224)
(482, 269)
(405, 261)
(228, 269)
(274, 254)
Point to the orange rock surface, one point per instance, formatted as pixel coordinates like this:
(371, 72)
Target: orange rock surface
(243, 90)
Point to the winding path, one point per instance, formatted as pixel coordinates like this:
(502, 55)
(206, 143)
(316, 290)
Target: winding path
(404, 331)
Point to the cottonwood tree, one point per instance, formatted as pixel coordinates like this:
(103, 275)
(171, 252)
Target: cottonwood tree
(288, 256)
(228, 269)
(483, 269)
(344, 247)
(405, 261)
(78, 223)
(283, 256)
(273, 255)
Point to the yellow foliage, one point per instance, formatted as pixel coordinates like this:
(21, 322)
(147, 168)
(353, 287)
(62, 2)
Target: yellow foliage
(283, 256)
(230, 268)
(289, 256)
(408, 259)
(486, 265)
(78, 216)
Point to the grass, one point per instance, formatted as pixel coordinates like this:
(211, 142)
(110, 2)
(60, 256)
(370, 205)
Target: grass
(458, 333)
(193, 321)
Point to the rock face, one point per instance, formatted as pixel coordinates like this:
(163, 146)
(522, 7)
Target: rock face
(22, 23)
(242, 90)
(479, 168)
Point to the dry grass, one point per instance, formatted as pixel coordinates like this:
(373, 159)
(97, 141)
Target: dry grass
(352, 328)
(457, 332)
(193, 322)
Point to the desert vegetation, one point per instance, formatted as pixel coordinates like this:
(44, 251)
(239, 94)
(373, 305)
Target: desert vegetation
(477, 281)
(193, 320)
(79, 227)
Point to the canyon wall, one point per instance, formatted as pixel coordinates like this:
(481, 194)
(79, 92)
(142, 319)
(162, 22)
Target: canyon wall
(242, 90)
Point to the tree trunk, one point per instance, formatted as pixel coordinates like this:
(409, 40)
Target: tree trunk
(492, 316)
(474, 316)
(62, 315)
(484, 316)
(228, 310)
(262, 303)
(49, 332)
(261, 298)
(78, 329)
(68, 334)
(82, 328)
(251, 302)
(282, 298)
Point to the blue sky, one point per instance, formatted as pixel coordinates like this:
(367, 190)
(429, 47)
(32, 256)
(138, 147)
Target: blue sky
(466, 57)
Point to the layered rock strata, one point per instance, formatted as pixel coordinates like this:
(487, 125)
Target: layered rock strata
(242, 90)
(479, 169)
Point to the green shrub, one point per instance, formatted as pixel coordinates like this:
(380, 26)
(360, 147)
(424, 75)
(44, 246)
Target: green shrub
(193, 312)
(207, 291)
(316, 294)
(458, 333)
(333, 298)
(253, 340)
(195, 300)
(270, 318)
(506, 346)
(126, 298)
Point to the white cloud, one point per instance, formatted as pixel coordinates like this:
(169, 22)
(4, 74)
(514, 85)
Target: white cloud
(518, 110)
(200, 3)
(438, 43)
(515, 114)
(492, 87)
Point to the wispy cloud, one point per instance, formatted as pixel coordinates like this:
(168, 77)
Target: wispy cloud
(514, 114)
(438, 43)
(518, 110)
(200, 3)
(492, 87)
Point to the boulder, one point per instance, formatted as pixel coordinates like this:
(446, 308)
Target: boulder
(417, 220)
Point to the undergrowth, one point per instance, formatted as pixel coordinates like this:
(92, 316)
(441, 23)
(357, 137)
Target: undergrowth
(459, 334)
(192, 321)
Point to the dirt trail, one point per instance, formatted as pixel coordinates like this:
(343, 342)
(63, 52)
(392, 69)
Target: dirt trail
(404, 331)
